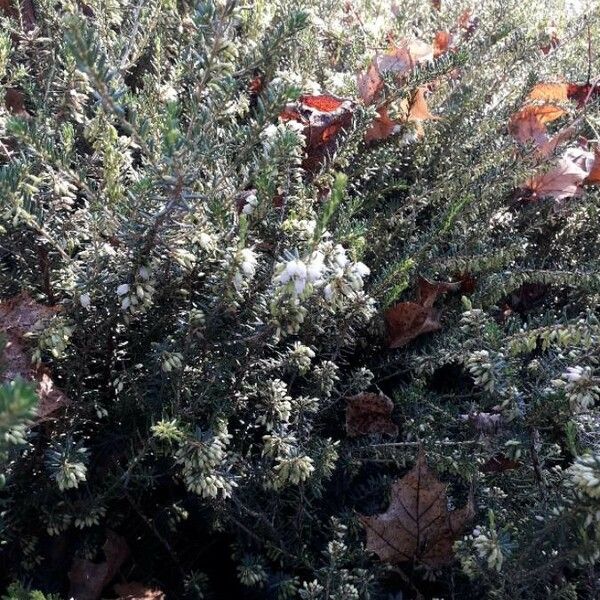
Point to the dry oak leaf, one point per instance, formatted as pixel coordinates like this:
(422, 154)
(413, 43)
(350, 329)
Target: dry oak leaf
(565, 179)
(417, 525)
(542, 106)
(415, 110)
(407, 320)
(369, 413)
(397, 61)
(323, 116)
(88, 579)
(429, 291)
(137, 591)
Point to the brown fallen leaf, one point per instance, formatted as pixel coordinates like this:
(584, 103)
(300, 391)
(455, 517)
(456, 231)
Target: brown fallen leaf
(441, 43)
(22, 314)
(565, 179)
(417, 525)
(88, 579)
(429, 291)
(323, 117)
(137, 591)
(369, 413)
(499, 463)
(18, 317)
(407, 320)
(582, 93)
(399, 60)
(382, 127)
(468, 283)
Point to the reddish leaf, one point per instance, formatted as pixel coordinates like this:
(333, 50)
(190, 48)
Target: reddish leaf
(419, 111)
(429, 291)
(382, 127)
(498, 464)
(398, 61)
(552, 40)
(468, 283)
(441, 43)
(369, 413)
(582, 93)
(323, 117)
(408, 320)
(88, 579)
(417, 525)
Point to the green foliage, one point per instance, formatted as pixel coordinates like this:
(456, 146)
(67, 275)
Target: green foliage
(219, 301)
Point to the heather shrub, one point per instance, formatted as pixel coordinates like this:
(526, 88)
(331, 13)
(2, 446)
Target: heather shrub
(215, 223)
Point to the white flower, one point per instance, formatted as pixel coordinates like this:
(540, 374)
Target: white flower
(123, 289)
(250, 205)
(295, 126)
(315, 267)
(270, 131)
(361, 269)
(574, 373)
(167, 93)
(85, 300)
(294, 271)
(328, 291)
(340, 256)
(249, 262)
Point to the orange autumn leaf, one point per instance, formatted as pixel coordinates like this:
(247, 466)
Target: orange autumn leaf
(408, 320)
(382, 127)
(419, 111)
(441, 43)
(417, 526)
(369, 413)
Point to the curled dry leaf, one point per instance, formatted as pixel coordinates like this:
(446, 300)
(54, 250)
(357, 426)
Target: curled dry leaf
(415, 110)
(369, 413)
(323, 117)
(18, 317)
(408, 320)
(429, 291)
(137, 591)
(417, 525)
(397, 62)
(565, 179)
(88, 579)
